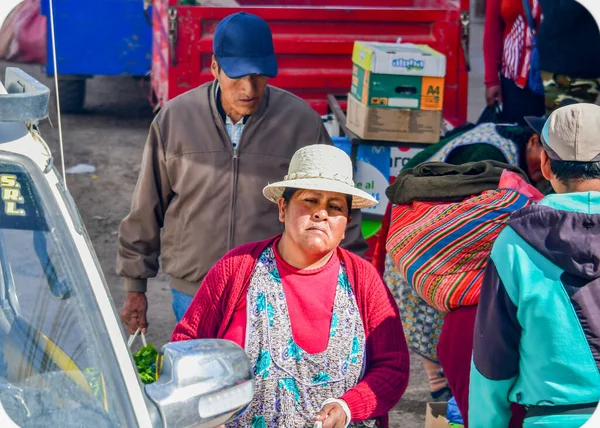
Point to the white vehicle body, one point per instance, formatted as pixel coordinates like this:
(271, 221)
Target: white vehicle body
(57, 317)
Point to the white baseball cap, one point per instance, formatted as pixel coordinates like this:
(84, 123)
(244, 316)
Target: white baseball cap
(572, 133)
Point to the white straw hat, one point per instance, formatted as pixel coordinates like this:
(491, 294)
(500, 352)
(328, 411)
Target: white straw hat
(321, 167)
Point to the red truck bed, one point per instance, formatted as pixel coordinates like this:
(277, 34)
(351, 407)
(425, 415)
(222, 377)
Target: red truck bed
(313, 42)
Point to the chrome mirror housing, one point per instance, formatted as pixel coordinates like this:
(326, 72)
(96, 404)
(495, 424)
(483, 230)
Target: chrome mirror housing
(202, 383)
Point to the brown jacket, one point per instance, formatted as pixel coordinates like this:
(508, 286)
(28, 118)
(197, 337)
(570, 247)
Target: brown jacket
(206, 198)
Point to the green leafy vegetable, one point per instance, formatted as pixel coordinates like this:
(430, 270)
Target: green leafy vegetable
(145, 361)
(94, 378)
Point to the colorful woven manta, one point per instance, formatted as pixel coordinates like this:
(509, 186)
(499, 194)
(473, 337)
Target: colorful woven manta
(442, 248)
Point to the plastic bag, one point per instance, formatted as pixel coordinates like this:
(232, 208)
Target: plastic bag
(7, 32)
(490, 114)
(24, 34)
(145, 359)
(452, 413)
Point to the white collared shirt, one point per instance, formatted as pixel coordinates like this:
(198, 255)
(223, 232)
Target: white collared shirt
(234, 130)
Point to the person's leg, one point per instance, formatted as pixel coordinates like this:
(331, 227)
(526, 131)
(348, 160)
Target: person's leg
(180, 303)
(558, 88)
(422, 327)
(455, 349)
(519, 102)
(421, 323)
(518, 415)
(437, 381)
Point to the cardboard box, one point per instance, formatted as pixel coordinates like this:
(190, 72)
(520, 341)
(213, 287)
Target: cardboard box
(397, 90)
(435, 415)
(393, 124)
(399, 58)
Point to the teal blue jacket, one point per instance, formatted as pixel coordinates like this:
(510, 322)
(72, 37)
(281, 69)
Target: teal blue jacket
(537, 333)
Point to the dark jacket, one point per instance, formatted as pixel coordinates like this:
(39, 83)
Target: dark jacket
(196, 199)
(569, 40)
(537, 331)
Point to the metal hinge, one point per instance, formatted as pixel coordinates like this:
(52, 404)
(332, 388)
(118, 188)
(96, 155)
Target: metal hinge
(465, 22)
(173, 33)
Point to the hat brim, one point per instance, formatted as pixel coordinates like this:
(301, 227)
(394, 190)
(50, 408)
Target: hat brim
(535, 123)
(360, 199)
(236, 67)
(544, 139)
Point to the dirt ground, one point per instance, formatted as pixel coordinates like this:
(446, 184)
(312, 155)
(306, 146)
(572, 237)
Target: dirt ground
(110, 136)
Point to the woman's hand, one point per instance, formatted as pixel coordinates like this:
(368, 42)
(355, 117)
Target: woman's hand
(332, 416)
(493, 94)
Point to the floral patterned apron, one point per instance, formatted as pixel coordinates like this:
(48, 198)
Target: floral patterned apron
(290, 384)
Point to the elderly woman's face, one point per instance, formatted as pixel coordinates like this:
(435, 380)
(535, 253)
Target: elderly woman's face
(315, 220)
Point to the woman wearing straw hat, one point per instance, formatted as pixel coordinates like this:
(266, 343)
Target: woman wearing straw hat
(320, 326)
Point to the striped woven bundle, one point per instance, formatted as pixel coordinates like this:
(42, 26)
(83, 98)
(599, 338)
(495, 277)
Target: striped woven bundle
(442, 248)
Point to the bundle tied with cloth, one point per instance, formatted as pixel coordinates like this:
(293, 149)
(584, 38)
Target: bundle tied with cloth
(444, 222)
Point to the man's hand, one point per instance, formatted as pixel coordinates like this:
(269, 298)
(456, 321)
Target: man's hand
(332, 416)
(134, 311)
(493, 94)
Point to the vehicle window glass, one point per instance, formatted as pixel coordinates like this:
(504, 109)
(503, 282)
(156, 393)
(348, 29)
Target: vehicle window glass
(57, 367)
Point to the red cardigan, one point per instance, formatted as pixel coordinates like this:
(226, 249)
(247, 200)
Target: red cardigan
(387, 362)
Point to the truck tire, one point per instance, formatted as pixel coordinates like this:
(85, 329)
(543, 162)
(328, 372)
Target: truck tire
(72, 95)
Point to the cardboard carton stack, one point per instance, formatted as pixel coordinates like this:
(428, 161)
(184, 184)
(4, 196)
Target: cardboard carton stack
(435, 415)
(397, 92)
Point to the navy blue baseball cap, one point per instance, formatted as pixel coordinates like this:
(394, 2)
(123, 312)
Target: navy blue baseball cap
(537, 123)
(243, 45)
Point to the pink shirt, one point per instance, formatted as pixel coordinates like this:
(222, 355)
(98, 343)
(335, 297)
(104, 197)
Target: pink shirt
(309, 295)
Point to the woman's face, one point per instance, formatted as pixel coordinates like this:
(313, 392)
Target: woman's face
(533, 158)
(315, 221)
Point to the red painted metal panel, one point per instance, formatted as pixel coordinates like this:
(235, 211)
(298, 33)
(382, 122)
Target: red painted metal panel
(160, 51)
(313, 41)
(421, 4)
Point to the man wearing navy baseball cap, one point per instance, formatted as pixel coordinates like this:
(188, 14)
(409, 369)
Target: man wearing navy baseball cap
(537, 328)
(243, 60)
(209, 153)
(243, 45)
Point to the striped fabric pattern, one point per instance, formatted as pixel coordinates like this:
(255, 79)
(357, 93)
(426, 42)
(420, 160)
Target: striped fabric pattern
(442, 248)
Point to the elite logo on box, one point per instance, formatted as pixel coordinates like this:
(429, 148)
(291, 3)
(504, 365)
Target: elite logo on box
(399, 58)
(409, 64)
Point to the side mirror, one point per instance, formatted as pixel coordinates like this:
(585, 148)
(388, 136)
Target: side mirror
(201, 383)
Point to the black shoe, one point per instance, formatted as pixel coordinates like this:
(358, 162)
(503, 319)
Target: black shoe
(441, 395)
